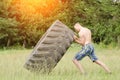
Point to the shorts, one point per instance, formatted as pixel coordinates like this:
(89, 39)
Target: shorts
(87, 50)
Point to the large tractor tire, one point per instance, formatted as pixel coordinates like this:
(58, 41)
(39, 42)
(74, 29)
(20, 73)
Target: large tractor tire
(50, 48)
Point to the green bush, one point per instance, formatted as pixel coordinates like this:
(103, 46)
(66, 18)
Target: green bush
(101, 16)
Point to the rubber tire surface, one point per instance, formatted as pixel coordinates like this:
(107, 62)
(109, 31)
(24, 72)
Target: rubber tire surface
(50, 48)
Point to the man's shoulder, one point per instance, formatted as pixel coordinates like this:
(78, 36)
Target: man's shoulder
(87, 30)
(81, 33)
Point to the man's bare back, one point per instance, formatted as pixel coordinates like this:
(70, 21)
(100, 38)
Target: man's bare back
(84, 35)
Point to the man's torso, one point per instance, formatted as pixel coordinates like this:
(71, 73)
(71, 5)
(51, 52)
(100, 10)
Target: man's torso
(86, 34)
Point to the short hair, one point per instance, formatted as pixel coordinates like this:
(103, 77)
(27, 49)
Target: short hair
(77, 24)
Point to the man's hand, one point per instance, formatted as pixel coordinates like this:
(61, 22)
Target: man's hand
(75, 37)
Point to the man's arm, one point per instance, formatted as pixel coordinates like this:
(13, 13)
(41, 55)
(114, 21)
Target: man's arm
(80, 40)
(76, 39)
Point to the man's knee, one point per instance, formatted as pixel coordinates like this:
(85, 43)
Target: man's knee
(74, 60)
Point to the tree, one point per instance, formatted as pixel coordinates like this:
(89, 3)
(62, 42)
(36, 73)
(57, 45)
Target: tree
(8, 30)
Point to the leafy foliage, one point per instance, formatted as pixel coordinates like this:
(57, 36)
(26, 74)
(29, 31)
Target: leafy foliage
(8, 30)
(23, 23)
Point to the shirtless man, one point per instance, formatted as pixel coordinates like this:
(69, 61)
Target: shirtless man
(87, 48)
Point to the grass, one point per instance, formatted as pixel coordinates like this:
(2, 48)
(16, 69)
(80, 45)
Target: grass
(12, 61)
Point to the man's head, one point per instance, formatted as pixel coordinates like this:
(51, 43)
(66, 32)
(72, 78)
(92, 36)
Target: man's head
(77, 27)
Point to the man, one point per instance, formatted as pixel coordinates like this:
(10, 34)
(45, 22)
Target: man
(84, 39)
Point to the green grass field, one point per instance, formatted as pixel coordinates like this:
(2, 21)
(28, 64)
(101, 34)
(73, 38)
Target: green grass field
(12, 61)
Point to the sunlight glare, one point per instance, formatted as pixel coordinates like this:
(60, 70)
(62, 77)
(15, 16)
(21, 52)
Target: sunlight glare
(28, 7)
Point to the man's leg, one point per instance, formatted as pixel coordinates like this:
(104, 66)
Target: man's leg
(78, 65)
(103, 65)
